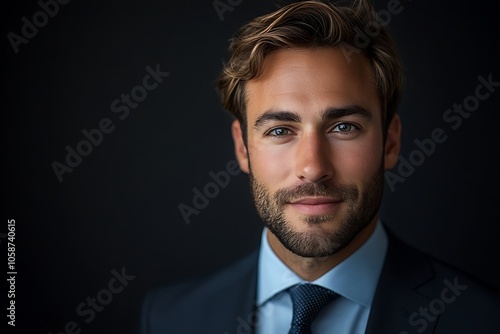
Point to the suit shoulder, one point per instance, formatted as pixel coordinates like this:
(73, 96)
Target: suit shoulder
(455, 301)
(213, 282)
(210, 299)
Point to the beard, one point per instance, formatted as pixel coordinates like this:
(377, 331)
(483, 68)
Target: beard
(361, 208)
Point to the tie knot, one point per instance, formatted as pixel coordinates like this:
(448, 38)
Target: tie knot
(308, 300)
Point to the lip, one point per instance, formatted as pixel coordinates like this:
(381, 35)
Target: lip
(315, 200)
(315, 205)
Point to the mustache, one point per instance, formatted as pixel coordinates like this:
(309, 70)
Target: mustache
(339, 192)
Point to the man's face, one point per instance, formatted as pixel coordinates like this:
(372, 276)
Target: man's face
(315, 150)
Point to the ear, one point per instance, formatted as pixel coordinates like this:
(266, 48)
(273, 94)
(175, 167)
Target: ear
(239, 146)
(392, 143)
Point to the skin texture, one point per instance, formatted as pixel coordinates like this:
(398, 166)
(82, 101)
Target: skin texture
(315, 154)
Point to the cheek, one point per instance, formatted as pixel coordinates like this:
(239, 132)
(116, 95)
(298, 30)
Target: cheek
(356, 162)
(271, 165)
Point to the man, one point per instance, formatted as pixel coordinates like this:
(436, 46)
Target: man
(315, 127)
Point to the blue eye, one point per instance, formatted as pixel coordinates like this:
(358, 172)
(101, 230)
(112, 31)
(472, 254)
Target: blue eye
(278, 132)
(344, 128)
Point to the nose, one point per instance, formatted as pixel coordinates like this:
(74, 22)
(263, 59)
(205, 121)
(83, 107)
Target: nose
(313, 158)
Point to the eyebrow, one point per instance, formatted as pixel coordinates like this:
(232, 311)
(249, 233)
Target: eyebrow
(274, 115)
(328, 114)
(332, 113)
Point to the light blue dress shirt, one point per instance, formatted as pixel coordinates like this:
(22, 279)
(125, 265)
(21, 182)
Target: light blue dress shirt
(354, 279)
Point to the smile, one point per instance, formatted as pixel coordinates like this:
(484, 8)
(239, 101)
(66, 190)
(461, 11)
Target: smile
(315, 205)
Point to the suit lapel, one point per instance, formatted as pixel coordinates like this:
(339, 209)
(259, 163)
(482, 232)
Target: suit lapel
(237, 310)
(397, 304)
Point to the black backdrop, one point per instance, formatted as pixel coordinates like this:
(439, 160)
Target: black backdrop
(119, 207)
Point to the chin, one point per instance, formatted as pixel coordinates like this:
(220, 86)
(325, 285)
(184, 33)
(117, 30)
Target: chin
(317, 236)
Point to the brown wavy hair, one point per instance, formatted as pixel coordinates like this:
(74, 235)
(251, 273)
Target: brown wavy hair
(312, 23)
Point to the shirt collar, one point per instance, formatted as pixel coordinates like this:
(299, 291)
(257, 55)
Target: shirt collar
(354, 278)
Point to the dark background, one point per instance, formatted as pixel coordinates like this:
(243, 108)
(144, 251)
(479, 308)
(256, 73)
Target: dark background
(119, 207)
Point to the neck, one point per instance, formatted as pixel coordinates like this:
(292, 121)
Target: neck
(311, 268)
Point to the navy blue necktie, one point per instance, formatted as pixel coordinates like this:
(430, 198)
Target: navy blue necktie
(308, 300)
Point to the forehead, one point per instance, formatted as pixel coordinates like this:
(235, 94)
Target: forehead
(310, 80)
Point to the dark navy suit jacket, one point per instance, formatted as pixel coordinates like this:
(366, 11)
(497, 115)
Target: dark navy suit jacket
(416, 293)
